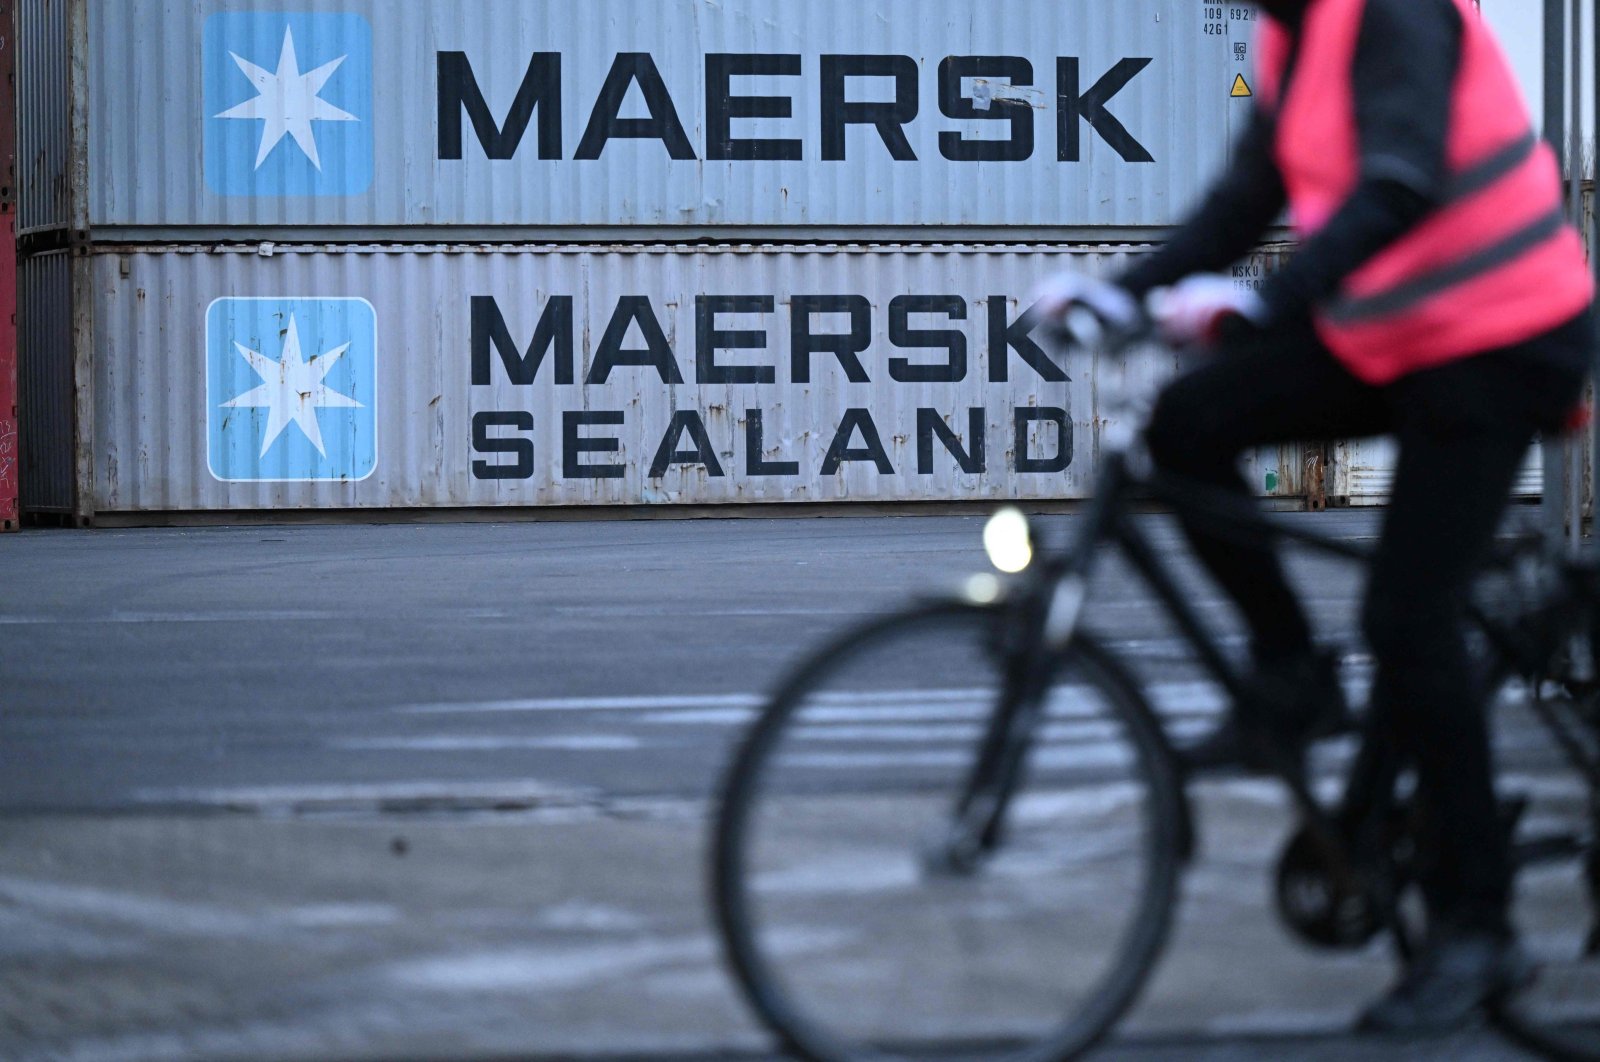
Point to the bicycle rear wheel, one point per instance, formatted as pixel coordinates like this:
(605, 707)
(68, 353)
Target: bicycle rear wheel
(1558, 889)
(851, 944)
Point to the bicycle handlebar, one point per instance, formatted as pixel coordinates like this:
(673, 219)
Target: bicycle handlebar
(1081, 327)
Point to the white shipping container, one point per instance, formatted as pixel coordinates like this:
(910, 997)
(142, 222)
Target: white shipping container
(382, 377)
(527, 119)
(1361, 472)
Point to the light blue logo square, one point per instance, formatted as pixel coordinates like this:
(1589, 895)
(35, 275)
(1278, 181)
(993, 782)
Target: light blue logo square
(291, 390)
(288, 104)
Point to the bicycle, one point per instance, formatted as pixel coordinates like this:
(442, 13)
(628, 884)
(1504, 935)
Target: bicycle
(910, 905)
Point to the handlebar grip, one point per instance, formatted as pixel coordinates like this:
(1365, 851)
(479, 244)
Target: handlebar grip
(1084, 326)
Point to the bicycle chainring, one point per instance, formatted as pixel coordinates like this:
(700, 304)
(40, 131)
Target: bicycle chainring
(1315, 905)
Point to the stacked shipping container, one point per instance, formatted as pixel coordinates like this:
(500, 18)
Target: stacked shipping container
(357, 254)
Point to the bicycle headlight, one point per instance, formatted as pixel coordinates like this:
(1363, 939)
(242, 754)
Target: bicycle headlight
(1008, 541)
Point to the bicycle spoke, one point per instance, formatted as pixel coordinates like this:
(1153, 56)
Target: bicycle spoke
(898, 890)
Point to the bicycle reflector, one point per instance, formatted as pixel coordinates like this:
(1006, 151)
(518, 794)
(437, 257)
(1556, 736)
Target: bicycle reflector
(1008, 541)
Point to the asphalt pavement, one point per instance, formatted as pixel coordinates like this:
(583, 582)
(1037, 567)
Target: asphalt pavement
(440, 791)
(239, 666)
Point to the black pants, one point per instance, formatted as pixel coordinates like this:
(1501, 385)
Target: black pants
(1463, 430)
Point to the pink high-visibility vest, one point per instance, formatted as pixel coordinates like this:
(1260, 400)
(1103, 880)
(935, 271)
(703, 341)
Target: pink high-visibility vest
(1494, 264)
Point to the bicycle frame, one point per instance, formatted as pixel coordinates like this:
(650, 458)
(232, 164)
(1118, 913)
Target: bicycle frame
(1340, 878)
(1108, 520)
(1046, 626)
(1350, 831)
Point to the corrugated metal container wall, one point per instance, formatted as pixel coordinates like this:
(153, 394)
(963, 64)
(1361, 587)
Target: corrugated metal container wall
(1052, 118)
(44, 115)
(1362, 472)
(471, 376)
(45, 378)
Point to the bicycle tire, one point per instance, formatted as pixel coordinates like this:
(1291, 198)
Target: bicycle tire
(1558, 1015)
(799, 1014)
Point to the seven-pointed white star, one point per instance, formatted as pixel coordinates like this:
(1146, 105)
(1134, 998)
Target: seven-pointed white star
(293, 389)
(288, 102)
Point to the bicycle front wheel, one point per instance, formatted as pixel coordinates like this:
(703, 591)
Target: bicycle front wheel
(853, 943)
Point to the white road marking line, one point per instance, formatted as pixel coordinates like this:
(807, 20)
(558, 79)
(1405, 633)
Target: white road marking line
(944, 715)
(334, 794)
(943, 732)
(666, 611)
(936, 694)
(590, 917)
(257, 615)
(187, 917)
(587, 704)
(1168, 696)
(228, 616)
(558, 969)
(736, 716)
(544, 968)
(343, 915)
(128, 908)
(465, 743)
(1100, 754)
(1169, 706)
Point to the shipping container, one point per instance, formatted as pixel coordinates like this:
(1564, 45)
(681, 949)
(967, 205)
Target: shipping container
(51, 140)
(436, 376)
(627, 120)
(46, 375)
(1361, 472)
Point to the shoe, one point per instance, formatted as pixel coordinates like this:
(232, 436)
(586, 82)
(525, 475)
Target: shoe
(1451, 980)
(1288, 704)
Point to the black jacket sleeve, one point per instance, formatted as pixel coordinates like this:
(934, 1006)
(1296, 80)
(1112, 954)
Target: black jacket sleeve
(1230, 221)
(1405, 67)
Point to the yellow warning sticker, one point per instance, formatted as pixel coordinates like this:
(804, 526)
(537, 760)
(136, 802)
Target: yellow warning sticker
(1240, 87)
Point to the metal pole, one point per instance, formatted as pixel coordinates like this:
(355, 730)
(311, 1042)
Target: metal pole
(1555, 123)
(1575, 112)
(1572, 450)
(1594, 264)
(10, 458)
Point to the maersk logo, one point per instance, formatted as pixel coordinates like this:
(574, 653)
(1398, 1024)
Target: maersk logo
(288, 104)
(291, 389)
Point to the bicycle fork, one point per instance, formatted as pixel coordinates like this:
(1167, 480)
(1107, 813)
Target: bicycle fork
(976, 824)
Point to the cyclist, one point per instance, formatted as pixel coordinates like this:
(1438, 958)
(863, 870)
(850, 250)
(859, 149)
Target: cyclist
(1437, 295)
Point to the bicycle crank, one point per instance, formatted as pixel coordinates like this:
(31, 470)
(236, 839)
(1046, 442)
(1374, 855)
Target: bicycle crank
(1319, 902)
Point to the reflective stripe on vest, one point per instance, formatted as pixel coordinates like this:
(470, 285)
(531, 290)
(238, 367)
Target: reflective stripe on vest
(1500, 164)
(1493, 264)
(1404, 296)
